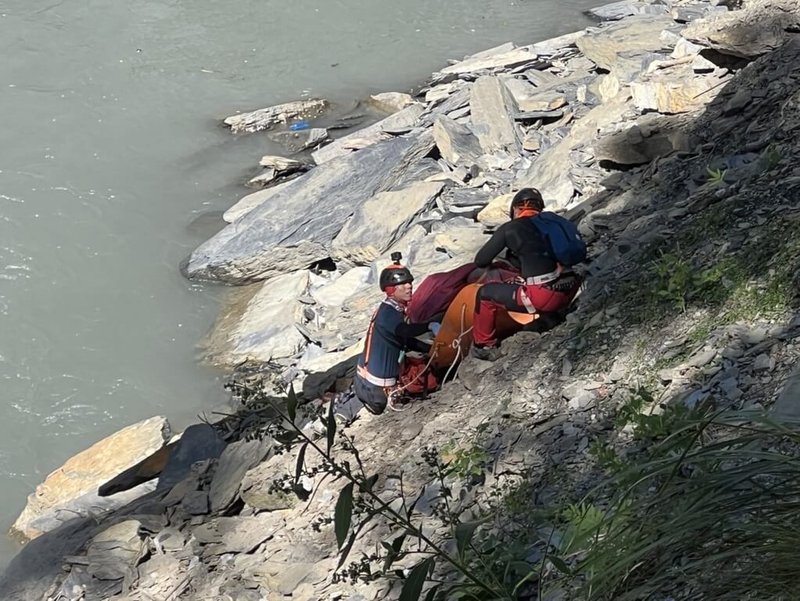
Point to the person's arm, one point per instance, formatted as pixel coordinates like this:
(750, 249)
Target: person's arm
(407, 333)
(410, 330)
(492, 248)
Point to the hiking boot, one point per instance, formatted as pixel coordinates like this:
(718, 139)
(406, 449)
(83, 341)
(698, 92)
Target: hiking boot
(346, 407)
(485, 353)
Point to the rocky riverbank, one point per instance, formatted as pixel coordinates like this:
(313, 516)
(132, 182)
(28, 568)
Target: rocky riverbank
(666, 131)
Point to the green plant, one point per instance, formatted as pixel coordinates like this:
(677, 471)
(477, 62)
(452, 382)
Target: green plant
(606, 457)
(716, 177)
(465, 461)
(672, 279)
(583, 521)
(717, 496)
(651, 421)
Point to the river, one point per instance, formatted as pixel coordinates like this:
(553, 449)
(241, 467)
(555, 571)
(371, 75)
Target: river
(114, 166)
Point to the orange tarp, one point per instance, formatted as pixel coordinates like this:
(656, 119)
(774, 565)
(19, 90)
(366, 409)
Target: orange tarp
(455, 335)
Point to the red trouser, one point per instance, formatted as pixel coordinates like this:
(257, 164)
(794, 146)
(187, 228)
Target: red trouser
(510, 296)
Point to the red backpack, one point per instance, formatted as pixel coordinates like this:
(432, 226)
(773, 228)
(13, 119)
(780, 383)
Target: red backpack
(416, 377)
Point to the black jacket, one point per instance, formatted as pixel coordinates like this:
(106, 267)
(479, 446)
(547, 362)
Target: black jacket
(526, 249)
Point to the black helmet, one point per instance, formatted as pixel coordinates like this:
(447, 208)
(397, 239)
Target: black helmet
(395, 274)
(527, 198)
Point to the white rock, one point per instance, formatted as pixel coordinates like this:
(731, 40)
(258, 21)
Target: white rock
(391, 102)
(496, 212)
(71, 490)
(266, 328)
(336, 292)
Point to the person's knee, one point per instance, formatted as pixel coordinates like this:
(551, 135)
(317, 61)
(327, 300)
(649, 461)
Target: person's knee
(372, 397)
(374, 406)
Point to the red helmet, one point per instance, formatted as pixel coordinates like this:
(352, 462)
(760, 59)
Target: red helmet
(395, 274)
(527, 198)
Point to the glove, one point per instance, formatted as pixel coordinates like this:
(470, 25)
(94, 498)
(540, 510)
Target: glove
(434, 327)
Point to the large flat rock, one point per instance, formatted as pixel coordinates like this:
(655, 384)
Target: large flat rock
(456, 142)
(296, 226)
(621, 47)
(71, 491)
(382, 220)
(265, 327)
(271, 116)
(494, 58)
(676, 90)
(492, 108)
(757, 29)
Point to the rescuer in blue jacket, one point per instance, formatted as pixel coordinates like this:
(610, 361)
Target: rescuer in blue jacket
(389, 335)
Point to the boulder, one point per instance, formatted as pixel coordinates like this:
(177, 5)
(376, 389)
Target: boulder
(380, 221)
(461, 243)
(263, 179)
(281, 164)
(675, 90)
(271, 116)
(296, 226)
(237, 458)
(71, 491)
(457, 144)
(606, 87)
(496, 212)
(442, 91)
(528, 98)
(251, 201)
(558, 44)
(615, 10)
(197, 443)
(324, 371)
(114, 553)
(335, 293)
(275, 168)
(621, 47)
(463, 201)
(235, 534)
(638, 145)
(684, 48)
(264, 327)
(391, 102)
(492, 110)
(757, 29)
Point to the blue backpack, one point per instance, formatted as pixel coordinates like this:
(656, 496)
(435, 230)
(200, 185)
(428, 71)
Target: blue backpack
(562, 238)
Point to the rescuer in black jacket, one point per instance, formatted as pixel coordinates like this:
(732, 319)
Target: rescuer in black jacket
(543, 288)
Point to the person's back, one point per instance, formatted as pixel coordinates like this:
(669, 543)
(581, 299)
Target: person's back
(525, 243)
(545, 288)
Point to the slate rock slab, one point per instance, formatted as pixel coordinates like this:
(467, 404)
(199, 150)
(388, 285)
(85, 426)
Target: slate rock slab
(296, 226)
(234, 463)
